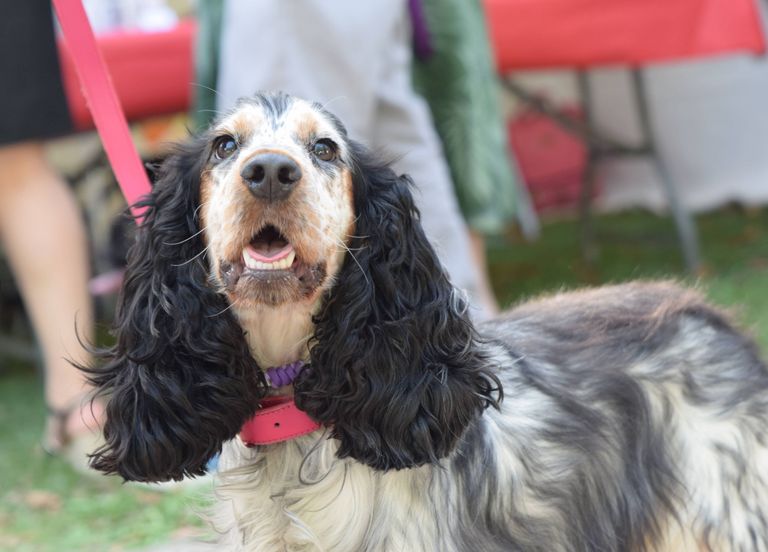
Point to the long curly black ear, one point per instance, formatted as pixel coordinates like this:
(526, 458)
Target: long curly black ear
(395, 370)
(180, 379)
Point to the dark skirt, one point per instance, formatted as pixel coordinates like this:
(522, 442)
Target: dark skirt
(32, 101)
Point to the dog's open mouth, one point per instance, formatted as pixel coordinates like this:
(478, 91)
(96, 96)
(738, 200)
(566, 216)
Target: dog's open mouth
(269, 250)
(269, 270)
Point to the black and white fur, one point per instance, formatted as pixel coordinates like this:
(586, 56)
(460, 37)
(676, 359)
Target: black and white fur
(634, 417)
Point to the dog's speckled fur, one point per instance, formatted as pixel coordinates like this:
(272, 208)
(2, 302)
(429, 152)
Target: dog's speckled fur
(634, 417)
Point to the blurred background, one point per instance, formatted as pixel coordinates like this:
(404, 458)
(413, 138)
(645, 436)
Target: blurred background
(588, 142)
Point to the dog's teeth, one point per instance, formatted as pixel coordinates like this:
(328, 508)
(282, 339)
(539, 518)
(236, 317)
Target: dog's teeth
(249, 262)
(282, 264)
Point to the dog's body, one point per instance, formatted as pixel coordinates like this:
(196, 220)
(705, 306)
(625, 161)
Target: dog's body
(633, 417)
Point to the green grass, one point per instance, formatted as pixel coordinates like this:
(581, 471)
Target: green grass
(45, 506)
(641, 245)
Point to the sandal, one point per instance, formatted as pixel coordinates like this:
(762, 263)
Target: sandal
(74, 439)
(76, 444)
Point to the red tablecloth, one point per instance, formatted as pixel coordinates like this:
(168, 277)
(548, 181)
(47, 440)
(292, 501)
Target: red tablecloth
(152, 72)
(582, 33)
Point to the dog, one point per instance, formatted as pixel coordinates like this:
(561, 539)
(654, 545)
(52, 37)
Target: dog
(624, 418)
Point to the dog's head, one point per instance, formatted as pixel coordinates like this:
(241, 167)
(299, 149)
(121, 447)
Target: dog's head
(275, 209)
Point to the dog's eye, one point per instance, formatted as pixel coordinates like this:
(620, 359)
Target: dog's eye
(325, 150)
(224, 147)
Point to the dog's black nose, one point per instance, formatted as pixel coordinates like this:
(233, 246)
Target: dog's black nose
(271, 176)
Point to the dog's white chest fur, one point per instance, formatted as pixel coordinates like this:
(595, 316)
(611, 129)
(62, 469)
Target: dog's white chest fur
(277, 336)
(285, 499)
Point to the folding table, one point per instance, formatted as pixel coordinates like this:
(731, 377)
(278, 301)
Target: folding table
(584, 34)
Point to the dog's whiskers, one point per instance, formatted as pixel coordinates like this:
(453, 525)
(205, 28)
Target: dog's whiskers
(344, 247)
(186, 239)
(231, 304)
(354, 221)
(197, 84)
(202, 204)
(329, 102)
(193, 258)
(348, 250)
(202, 229)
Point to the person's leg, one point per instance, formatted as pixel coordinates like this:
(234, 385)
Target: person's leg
(43, 235)
(485, 289)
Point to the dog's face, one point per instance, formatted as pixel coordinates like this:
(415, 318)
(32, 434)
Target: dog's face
(273, 207)
(276, 201)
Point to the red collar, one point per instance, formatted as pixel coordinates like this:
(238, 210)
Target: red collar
(278, 419)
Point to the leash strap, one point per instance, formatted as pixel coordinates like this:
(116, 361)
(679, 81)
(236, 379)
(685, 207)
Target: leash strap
(102, 100)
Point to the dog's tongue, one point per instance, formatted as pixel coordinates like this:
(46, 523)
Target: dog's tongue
(268, 251)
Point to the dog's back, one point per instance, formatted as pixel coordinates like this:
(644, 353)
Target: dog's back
(637, 416)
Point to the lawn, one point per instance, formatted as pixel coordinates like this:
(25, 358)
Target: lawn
(639, 245)
(45, 506)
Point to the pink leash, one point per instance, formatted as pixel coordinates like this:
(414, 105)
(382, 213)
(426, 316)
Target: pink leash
(102, 100)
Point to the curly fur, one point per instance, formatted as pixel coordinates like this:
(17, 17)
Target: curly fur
(634, 416)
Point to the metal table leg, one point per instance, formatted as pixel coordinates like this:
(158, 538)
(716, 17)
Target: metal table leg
(686, 227)
(600, 146)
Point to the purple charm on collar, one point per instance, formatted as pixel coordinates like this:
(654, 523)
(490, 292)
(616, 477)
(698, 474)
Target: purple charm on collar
(278, 376)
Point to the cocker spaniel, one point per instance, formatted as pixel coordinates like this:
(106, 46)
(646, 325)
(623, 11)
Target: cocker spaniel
(280, 276)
